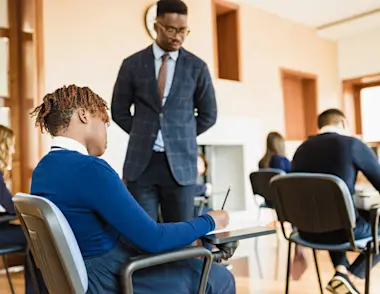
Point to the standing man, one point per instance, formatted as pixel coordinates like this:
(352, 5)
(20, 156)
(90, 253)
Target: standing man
(167, 85)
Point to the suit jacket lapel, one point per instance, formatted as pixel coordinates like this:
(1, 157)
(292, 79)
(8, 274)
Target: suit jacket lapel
(150, 71)
(179, 75)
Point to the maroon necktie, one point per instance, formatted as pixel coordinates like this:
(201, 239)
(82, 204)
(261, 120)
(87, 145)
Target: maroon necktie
(161, 80)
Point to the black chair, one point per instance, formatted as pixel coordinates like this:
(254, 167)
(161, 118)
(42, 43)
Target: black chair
(9, 250)
(260, 183)
(320, 203)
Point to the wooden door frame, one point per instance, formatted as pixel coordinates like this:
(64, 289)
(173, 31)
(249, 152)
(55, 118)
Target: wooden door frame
(310, 126)
(232, 7)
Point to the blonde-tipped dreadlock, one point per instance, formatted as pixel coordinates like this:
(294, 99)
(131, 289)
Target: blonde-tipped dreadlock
(56, 110)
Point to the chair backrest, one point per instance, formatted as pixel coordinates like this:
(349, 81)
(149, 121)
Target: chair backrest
(53, 244)
(314, 203)
(260, 182)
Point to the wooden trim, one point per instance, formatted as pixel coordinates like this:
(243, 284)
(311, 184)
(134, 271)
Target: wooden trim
(4, 33)
(358, 109)
(238, 45)
(40, 70)
(15, 89)
(297, 73)
(226, 4)
(27, 36)
(215, 33)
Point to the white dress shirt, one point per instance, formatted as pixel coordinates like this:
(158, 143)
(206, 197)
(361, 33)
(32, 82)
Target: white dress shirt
(159, 145)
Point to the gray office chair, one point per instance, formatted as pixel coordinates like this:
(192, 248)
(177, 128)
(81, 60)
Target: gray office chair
(260, 183)
(57, 254)
(320, 203)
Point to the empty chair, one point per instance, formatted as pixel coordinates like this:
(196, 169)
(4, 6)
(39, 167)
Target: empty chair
(260, 183)
(317, 204)
(57, 254)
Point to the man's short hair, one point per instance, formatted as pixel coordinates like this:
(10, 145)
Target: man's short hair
(171, 6)
(330, 117)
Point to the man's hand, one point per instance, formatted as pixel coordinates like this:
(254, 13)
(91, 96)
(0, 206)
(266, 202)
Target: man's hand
(221, 218)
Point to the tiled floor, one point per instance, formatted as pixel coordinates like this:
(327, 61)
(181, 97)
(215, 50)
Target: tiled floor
(273, 266)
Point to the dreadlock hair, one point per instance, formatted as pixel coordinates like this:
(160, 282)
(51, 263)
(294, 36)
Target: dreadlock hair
(171, 6)
(57, 108)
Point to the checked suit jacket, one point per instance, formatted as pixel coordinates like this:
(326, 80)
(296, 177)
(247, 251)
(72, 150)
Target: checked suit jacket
(180, 124)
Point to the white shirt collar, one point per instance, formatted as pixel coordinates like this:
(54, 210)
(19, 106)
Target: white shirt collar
(69, 144)
(158, 52)
(331, 129)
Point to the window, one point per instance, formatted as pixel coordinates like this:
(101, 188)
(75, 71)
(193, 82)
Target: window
(370, 103)
(227, 40)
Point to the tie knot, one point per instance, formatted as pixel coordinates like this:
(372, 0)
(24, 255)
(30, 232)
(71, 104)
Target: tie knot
(165, 57)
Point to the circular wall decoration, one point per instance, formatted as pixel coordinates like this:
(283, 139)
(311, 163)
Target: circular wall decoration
(150, 19)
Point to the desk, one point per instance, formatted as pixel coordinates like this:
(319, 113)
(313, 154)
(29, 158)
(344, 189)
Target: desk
(366, 199)
(225, 236)
(5, 218)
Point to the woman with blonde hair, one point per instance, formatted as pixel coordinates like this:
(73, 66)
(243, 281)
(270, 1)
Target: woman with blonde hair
(6, 151)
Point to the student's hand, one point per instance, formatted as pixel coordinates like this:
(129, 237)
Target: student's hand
(221, 218)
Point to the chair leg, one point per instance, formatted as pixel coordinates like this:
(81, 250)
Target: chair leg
(288, 268)
(8, 275)
(31, 268)
(368, 267)
(257, 249)
(317, 268)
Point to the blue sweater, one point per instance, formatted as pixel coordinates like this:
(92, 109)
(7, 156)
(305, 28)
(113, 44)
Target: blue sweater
(100, 209)
(280, 162)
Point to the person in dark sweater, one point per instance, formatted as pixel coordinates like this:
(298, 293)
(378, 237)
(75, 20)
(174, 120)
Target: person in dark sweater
(108, 223)
(333, 152)
(9, 234)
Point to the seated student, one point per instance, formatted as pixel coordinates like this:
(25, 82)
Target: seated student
(332, 151)
(275, 158)
(275, 154)
(108, 223)
(9, 234)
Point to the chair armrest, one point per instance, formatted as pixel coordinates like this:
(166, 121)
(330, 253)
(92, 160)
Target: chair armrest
(147, 261)
(374, 215)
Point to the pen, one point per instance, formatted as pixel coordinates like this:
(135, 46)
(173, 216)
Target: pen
(225, 198)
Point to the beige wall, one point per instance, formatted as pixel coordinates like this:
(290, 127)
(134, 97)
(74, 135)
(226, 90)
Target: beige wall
(86, 40)
(359, 54)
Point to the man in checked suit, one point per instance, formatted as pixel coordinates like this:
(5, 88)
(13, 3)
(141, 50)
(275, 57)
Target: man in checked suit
(174, 102)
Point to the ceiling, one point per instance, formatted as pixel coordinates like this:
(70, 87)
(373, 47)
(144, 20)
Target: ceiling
(315, 12)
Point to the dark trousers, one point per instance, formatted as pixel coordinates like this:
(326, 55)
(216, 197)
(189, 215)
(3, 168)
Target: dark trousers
(156, 187)
(172, 278)
(339, 258)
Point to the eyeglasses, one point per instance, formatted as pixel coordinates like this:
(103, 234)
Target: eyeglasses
(172, 32)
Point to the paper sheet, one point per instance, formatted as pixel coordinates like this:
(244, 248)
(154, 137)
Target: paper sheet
(236, 226)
